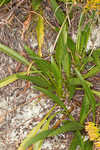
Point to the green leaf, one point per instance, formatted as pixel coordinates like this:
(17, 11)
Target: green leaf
(57, 75)
(71, 91)
(88, 92)
(27, 141)
(36, 4)
(40, 34)
(58, 12)
(43, 65)
(53, 97)
(12, 78)
(84, 37)
(71, 45)
(81, 21)
(88, 145)
(67, 65)
(96, 92)
(85, 62)
(68, 126)
(37, 80)
(38, 145)
(13, 54)
(84, 109)
(96, 56)
(77, 141)
(2, 2)
(74, 143)
(76, 81)
(30, 52)
(79, 137)
(61, 45)
(78, 41)
(92, 72)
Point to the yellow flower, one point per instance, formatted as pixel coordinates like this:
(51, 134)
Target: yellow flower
(97, 143)
(93, 5)
(92, 130)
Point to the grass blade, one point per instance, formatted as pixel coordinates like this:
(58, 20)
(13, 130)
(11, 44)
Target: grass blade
(58, 12)
(30, 52)
(53, 97)
(96, 56)
(76, 81)
(74, 143)
(88, 145)
(79, 32)
(67, 65)
(84, 109)
(40, 34)
(2, 2)
(84, 37)
(68, 126)
(71, 45)
(36, 4)
(13, 54)
(61, 44)
(38, 145)
(27, 141)
(92, 72)
(37, 80)
(88, 92)
(57, 75)
(12, 78)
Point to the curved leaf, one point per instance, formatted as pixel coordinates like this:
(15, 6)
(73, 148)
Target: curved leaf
(37, 80)
(55, 98)
(13, 54)
(84, 109)
(67, 127)
(58, 12)
(12, 78)
(27, 141)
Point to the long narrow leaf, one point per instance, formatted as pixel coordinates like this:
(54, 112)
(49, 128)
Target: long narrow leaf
(92, 72)
(38, 145)
(84, 109)
(37, 80)
(76, 81)
(53, 97)
(57, 75)
(12, 78)
(58, 12)
(27, 141)
(13, 54)
(88, 93)
(61, 44)
(71, 45)
(67, 127)
(74, 143)
(36, 4)
(88, 145)
(67, 65)
(30, 52)
(40, 34)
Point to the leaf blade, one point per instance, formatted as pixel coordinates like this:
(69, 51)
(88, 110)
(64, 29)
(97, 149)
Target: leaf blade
(13, 54)
(40, 34)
